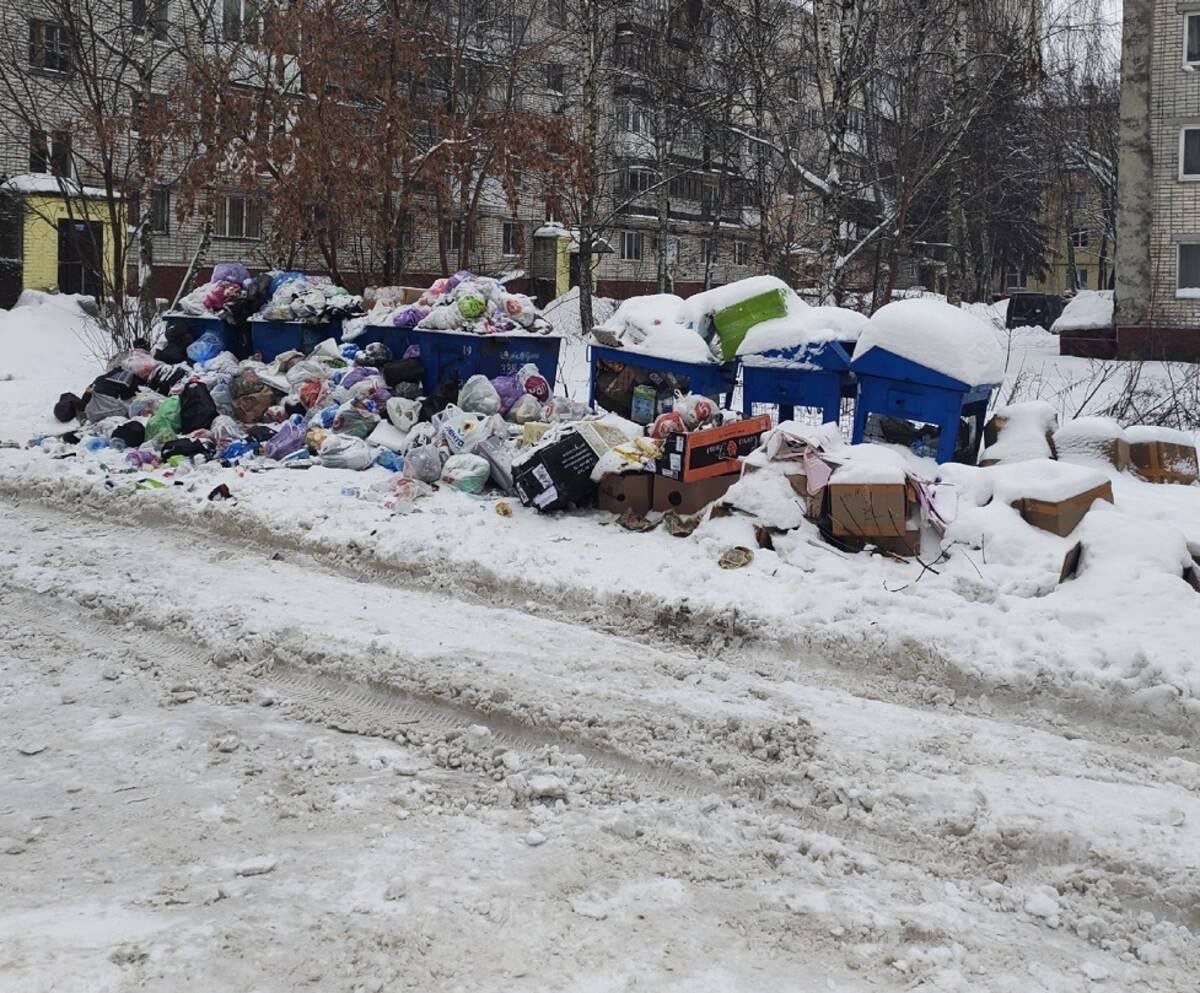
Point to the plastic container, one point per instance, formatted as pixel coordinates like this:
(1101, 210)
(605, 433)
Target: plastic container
(732, 323)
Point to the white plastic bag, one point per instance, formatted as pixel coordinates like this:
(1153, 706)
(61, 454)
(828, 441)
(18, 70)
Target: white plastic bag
(458, 428)
(403, 414)
(423, 463)
(525, 410)
(341, 451)
(479, 396)
(466, 472)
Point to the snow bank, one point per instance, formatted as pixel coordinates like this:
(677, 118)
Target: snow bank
(810, 326)
(1043, 479)
(657, 325)
(563, 312)
(1024, 432)
(1087, 311)
(940, 337)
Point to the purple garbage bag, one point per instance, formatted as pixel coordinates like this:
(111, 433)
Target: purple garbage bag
(412, 352)
(230, 272)
(289, 438)
(357, 375)
(410, 316)
(510, 390)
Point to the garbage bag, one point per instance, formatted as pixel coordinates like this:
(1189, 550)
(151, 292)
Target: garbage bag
(457, 427)
(564, 409)
(410, 316)
(250, 408)
(189, 448)
(376, 354)
(534, 382)
(101, 406)
(230, 272)
(222, 395)
(403, 371)
(196, 408)
(313, 393)
(342, 452)
(479, 396)
(671, 422)
(446, 318)
(314, 438)
(279, 278)
(525, 410)
(354, 419)
(518, 308)
(510, 390)
(289, 438)
(466, 472)
(165, 378)
(694, 408)
(132, 434)
(387, 435)
(118, 383)
(424, 463)
(208, 346)
(166, 420)
(303, 371)
(407, 391)
(403, 413)
(68, 408)
(225, 429)
(139, 362)
(357, 375)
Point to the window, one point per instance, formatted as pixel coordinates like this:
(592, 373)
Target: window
(516, 30)
(556, 78)
(454, 237)
(511, 238)
(631, 246)
(60, 154)
(1187, 282)
(240, 20)
(152, 12)
(160, 210)
(741, 253)
(708, 252)
(632, 118)
(39, 151)
(1191, 39)
(1079, 237)
(1015, 281)
(49, 46)
(792, 86)
(1078, 201)
(1081, 278)
(685, 187)
(1189, 153)
(237, 217)
(636, 180)
(556, 13)
(50, 154)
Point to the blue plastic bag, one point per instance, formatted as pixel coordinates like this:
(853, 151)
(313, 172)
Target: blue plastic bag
(205, 348)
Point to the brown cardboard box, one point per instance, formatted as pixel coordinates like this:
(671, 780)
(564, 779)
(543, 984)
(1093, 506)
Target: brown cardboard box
(411, 294)
(714, 452)
(870, 510)
(1063, 516)
(689, 498)
(1164, 462)
(1112, 450)
(619, 492)
(907, 545)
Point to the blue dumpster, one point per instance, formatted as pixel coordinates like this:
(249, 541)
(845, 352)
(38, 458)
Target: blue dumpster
(710, 379)
(456, 356)
(271, 338)
(891, 386)
(805, 376)
(230, 334)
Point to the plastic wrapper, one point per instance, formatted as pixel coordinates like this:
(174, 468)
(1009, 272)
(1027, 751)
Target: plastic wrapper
(166, 420)
(250, 408)
(354, 419)
(461, 430)
(221, 391)
(533, 382)
(357, 375)
(694, 408)
(518, 308)
(466, 472)
(225, 362)
(403, 413)
(400, 492)
(230, 272)
(343, 452)
(423, 463)
(562, 409)
(208, 346)
(141, 363)
(525, 410)
(289, 438)
(275, 414)
(312, 393)
(308, 369)
(376, 354)
(671, 422)
(479, 396)
(145, 402)
(285, 360)
(390, 460)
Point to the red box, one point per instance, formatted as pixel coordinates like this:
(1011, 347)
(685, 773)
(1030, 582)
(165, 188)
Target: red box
(715, 452)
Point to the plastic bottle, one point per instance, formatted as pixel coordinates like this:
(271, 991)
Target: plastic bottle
(94, 443)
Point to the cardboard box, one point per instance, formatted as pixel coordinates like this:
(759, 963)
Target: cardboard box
(1061, 517)
(619, 492)
(906, 546)
(557, 475)
(411, 294)
(1164, 462)
(714, 452)
(689, 497)
(1112, 450)
(813, 502)
(870, 510)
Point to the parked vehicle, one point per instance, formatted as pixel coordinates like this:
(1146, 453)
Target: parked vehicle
(1030, 310)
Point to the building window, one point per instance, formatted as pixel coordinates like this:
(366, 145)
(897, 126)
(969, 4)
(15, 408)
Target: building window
(237, 217)
(1189, 153)
(1187, 283)
(1079, 238)
(152, 12)
(631, 246)
(637, 180)
(741, 253)
(39, 151)
(240, 20)
(556, 78)
(556, 13)
(707, 252)
(632, 118)
(454, 232)
(1078, 201)
(1015, 281)
(160, 210)
(50, 154)
(1081, 279)
(49, 46)
(511, 238)
(1191, 39)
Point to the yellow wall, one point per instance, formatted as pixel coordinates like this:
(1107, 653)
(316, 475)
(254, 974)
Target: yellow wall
(40, 254)
(562, 266)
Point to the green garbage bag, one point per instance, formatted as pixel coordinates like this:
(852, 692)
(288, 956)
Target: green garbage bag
(166, 421)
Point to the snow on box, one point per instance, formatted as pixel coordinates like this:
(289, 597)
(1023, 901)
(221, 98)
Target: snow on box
(657, 325)
(810, 326)
(1023, 432)
(1089, 310)
(938, 336)
(1143, 433)
(870, 465)
(1091, 429)
(1043, 479)
(769, 497)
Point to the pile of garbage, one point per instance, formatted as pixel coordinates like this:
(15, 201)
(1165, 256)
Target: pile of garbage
(235, 296)
(462, 302)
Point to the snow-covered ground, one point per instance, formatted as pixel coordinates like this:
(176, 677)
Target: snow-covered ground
(293, 741)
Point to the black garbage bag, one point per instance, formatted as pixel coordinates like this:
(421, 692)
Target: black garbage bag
(164, 378)
(403, 371)
(187, 447)
(261, 432)
(132, 433)
(68, 408)
(174, 350)
(376, 354)
(118, 383)
(196, 408)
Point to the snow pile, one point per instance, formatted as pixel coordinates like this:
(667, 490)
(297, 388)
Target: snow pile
(1024, 431)
(940, 337)
(563, 312)
(700, 307)
(1149, 433)
(43, 352)
(1090, 439)
(807, 326)
(657, 325)
(1043, 479)
(768, 497)
(1089, 310)
(870, 464)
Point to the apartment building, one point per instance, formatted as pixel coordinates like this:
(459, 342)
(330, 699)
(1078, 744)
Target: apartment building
(1158, 227)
